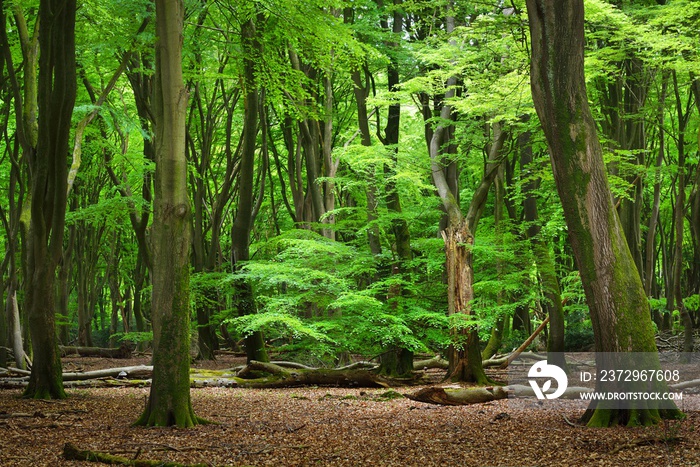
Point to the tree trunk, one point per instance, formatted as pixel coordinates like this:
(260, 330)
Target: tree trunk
(679, 224)
(545, 264)
(4, 334)
(650, 251)
(464, 353)
(240, 235)
(618, 306)
(495, 339)
(169, 400)
(56, 97)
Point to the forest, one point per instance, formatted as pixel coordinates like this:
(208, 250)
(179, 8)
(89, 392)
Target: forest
(344, 194)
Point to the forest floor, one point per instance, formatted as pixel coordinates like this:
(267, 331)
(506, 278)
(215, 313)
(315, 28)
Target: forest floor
(327, 426)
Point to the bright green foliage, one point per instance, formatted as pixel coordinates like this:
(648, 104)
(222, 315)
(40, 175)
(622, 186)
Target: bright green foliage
(315, 295)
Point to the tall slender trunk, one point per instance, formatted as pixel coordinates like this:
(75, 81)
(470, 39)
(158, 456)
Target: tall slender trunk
(169, 399)
(545, 264)
(240, 234)
(679, 223)
(650, 248)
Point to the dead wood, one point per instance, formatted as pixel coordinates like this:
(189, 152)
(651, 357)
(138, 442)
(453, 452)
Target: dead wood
(435, 362)
(571, 392)
(70, 452)
(130, 372)
(458, 396)
(299, 366)
(18, 371)
(685, 385)
(118, 352)
(501, 359)
(525, 344)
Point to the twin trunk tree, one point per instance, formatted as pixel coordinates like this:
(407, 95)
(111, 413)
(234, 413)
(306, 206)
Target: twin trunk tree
(169, 401)
(618, 305)
(56, 98)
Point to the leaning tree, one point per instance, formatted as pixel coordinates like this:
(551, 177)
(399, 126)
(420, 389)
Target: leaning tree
(618, 306)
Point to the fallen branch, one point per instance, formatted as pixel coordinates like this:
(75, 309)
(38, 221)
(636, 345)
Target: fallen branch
(525, 344)
(72, 453)
(19, 371)
(500, 360)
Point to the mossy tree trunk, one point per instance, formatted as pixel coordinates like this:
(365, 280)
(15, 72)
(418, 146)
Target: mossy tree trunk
(56, 97)
(618, 305)
(169, 400)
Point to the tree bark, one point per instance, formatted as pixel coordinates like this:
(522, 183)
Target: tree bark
(545, 264)
(618, 307)
(240, 234)
(56, 97)
(679, 225)
(116, 352)
(169, 400)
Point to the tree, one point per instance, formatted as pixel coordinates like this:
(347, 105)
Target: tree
(618, 306)
(169, 401)
(56, 96)
(240, 234)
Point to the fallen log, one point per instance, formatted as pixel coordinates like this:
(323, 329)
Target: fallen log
(118, 352)
(435, 362)
(519, 390)
(685, 385)
(129, 372)
(458, 396)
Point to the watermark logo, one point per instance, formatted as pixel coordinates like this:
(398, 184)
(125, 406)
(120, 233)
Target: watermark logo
(541, 370)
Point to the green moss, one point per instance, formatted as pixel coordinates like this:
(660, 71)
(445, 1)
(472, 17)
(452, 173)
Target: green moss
(390, 395)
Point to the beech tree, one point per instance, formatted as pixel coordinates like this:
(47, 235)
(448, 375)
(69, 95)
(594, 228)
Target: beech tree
(56, 97)
(169, 401)
(618, 306)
